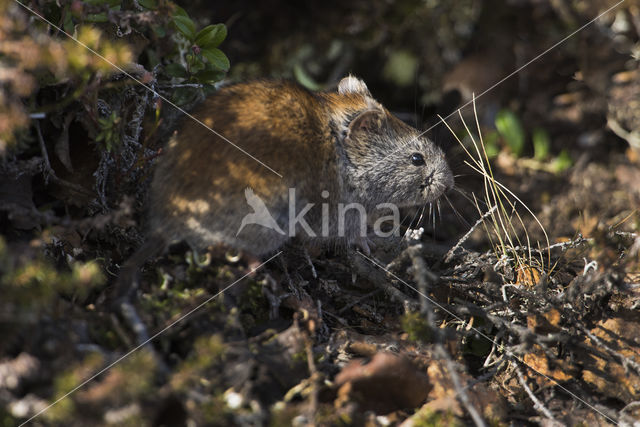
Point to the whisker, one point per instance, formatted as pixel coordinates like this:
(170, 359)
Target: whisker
(467, 196)
(434, 220)
(457, 213)
(409, 225)
(422, 213)
(405, 218)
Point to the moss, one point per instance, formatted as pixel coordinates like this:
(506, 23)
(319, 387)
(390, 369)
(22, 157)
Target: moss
(138, 373)
(6, 419)
(207, 352)
(31, 281)
(416, 326)
(64, 410)
(200, 373)
(171, 302)
(299, 357)
(429, 418)
(130, 380)
(254, 306)
(214, 411)
(282, 415)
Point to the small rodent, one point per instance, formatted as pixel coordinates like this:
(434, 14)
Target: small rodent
(331, 147)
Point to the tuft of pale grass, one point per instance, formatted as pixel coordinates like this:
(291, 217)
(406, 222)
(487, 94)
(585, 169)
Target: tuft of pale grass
(502, 217)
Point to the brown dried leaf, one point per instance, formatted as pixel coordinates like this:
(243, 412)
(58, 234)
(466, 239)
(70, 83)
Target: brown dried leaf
(443, 396)
(586, 224)
(385, 384)
(544, 323)
(363, 349)
(609, 376)
(528, 276)
(557, 369)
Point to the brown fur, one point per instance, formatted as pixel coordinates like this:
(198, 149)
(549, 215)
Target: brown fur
(312, 139)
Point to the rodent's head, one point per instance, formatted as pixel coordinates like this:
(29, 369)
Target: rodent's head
(386, 160)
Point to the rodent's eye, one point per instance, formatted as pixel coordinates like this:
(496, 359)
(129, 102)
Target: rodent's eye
(417, 159)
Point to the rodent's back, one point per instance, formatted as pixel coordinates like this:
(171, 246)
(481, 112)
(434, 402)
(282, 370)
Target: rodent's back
(279, 123)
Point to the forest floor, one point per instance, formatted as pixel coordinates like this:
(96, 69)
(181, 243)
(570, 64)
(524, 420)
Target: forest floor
(415, 334)
(482, 313)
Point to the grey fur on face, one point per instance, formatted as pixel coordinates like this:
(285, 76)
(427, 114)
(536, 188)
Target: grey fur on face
(378, 150)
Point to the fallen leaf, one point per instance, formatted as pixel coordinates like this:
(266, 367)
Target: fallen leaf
(385, 384)
(557, 369)
(544, 323)
(528, 276)
(609, 376)
(443, 397)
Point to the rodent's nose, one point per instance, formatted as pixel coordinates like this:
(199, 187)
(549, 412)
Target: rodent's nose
(429, 180)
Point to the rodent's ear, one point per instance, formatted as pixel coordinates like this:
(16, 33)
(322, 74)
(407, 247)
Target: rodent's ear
(351, 84)
(367, 121)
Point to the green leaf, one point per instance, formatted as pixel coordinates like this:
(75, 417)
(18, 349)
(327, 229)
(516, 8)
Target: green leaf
(184, 95)
(148, 4)
(401, 67)
(562, 162)
(196, 64)
(216, 58)
(541, 144)
(176, 70)
(68, 21)
(178, 11)
(211, 36)
(510, 129)
(209, 76)
(491, 146)
(185, 25)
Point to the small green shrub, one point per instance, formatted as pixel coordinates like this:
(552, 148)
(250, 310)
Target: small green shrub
(541, 144)
(510, 129)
